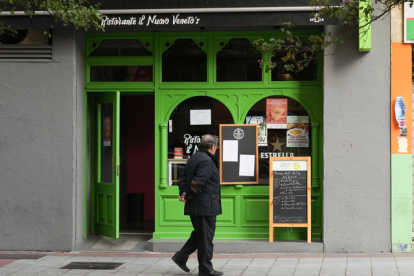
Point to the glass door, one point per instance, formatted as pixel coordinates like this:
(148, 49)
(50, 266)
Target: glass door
(105, 193)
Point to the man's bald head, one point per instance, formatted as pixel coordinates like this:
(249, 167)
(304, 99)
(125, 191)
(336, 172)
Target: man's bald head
(208, 141)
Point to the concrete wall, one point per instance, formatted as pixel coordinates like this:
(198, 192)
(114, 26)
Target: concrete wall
(357, 181)
(79, 113)
(41, 151)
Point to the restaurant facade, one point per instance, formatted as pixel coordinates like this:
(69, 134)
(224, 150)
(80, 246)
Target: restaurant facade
(96, 134)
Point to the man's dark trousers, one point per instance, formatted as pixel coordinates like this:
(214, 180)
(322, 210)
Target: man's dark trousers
(201, 239)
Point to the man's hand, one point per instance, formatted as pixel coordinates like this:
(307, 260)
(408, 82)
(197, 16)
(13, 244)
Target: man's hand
(194, 186)
(182, 197)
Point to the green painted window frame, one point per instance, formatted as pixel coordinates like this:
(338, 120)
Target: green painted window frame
(210, 39)
(229, 93)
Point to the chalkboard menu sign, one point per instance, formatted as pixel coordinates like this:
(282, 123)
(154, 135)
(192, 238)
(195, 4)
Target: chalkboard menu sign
(289, 196)
(289, 193)
(238, 154)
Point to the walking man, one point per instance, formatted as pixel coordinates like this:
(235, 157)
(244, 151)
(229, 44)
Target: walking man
(200, 190)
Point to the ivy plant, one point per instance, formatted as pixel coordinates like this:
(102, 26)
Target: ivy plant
(295, 52)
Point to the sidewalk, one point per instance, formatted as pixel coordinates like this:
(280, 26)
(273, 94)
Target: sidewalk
(152, 264)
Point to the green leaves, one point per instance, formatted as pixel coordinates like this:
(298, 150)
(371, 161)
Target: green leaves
(291, 52)
(294, 53)
(77, 13)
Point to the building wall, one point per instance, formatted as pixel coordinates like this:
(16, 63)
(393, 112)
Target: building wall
(357, 188)
(80, 210)
(401, 149)
(397, 36)
(41, 151)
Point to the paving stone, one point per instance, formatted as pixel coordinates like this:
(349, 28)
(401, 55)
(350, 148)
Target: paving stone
(121, 273)
(333, 270)
(288, 260)
(51, 272)
(255, 272)
(359, 274)
(78, 271)
(79, 259)
(102, 273)
(7, 269)
(147, 260)
(258, 270)
(67, 274)
(239, 261)
(331, 273)
(310, 260)
(125, 259)
(281, 271)
(333, 262)
(234, 266)
(262, 262)
(152, 273)
(385, 273)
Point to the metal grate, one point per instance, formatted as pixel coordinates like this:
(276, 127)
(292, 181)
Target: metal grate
(26, 53)
(92, 265)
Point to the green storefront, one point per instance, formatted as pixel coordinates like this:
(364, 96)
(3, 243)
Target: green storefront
(141, 89)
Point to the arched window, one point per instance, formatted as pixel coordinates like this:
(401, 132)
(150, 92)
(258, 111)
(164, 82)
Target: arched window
(284, 131)
(193, 118)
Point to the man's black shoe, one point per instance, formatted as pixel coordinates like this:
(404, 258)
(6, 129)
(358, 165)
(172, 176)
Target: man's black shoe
(183, 266)
(211, 273)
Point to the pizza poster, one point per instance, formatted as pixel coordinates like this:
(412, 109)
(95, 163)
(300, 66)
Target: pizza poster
(276, 112)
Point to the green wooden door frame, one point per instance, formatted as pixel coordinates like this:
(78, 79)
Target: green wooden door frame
(105, 194)
(238, 97)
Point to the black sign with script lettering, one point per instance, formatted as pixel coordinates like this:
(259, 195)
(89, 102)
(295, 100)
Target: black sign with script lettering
(167, 15)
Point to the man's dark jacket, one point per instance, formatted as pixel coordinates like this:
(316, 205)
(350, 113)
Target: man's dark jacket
(202, 167)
